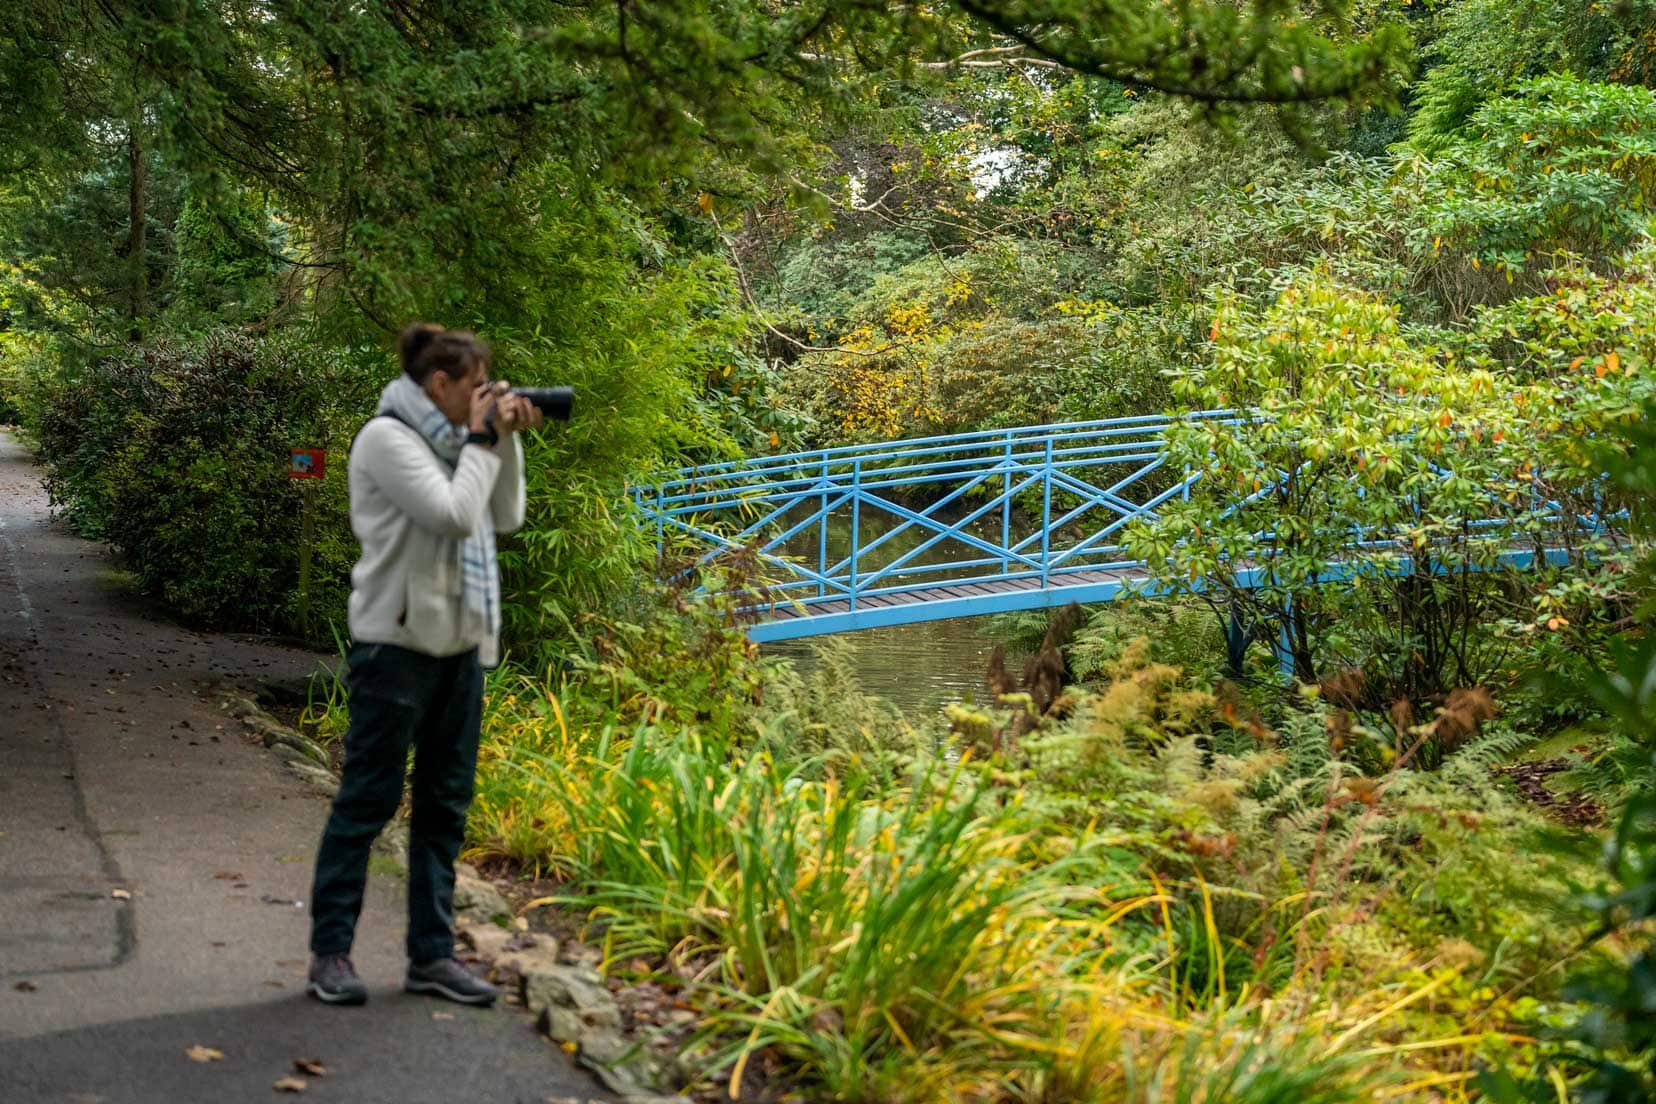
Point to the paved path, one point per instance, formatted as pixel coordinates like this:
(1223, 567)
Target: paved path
(118, 772)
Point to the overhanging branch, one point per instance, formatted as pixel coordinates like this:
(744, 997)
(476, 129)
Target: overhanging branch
(1144, 77)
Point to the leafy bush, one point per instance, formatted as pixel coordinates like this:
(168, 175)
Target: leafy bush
(1182, 634)
(1413, 472)
(177, 455)
(1003, 336)
(1484, 47)
(1556, 165)
(823, 278)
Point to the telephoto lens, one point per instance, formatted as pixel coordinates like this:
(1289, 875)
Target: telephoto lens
(555, 402)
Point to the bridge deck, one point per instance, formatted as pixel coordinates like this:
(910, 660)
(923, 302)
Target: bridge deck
(964, 590)
(941, 601)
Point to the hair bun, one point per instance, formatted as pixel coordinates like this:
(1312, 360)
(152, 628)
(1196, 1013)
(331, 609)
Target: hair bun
(426, 348)
(413, 341)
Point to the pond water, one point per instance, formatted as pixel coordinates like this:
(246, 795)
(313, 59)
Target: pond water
(920, 667)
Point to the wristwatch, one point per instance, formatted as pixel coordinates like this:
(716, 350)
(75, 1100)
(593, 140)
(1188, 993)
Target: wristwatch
(490, 438)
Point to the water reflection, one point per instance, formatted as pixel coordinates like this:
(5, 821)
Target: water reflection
(919, 668)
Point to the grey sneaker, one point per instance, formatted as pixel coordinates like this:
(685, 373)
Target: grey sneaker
(334, 980)
(444, 977)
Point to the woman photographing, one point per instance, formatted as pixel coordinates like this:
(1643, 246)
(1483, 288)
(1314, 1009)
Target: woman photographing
(433, 478)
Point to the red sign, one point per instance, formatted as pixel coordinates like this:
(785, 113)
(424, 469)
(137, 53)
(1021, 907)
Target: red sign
(307, 463)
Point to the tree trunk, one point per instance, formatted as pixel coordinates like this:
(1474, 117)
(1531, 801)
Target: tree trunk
(1305, 667)
(137, 201)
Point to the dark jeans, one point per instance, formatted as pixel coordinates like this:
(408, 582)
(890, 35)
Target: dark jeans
(401, 699)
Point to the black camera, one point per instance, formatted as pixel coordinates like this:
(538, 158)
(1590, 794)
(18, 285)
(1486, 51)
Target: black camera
(556, 403)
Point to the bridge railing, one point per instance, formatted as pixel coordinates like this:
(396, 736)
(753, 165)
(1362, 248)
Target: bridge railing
(852, 524)
(1009, 519)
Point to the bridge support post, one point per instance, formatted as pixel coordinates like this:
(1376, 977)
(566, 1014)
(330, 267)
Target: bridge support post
(1284, 646)
(1237, 637)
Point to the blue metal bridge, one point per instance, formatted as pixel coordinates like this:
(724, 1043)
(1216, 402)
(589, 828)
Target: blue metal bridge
(940, 527)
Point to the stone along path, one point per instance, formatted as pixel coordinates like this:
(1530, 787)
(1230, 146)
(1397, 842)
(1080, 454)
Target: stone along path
(151, 858)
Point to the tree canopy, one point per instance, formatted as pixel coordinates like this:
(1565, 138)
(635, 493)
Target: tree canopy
(399, 136)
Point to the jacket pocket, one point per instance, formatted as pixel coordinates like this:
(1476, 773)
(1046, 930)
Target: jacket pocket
(432, 611)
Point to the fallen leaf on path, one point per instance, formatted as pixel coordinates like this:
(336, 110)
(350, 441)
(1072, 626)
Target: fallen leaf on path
(312, 1066)
(121, 894)
(569, 1046)
(291, 1084)
(228, 876)
(442, 1015)
(26, 986)
(203, 1054)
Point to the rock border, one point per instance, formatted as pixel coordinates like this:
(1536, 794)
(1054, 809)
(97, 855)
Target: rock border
(570, 1000)
(306, 759)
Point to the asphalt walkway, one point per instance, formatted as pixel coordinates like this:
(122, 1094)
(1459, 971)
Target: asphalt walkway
(155, 865)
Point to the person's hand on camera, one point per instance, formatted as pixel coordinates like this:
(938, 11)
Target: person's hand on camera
(516, 412)
(483, 399)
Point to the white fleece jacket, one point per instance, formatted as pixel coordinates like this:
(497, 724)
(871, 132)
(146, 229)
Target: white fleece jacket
(410, 514)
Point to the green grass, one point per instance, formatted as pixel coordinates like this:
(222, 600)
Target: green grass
(386, 866)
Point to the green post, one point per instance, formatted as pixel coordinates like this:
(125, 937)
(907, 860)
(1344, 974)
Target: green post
(307, 526)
